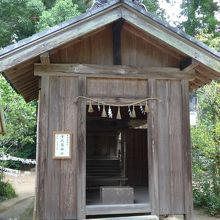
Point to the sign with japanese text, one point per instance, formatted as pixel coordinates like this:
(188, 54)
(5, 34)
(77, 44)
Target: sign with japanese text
(62, 145)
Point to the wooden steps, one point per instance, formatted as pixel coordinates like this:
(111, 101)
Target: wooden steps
(117, 209)
(103, 172)
(140, 217)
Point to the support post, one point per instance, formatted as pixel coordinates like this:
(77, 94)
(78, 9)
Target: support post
(187, 150)
(116, 32)
(153, 151)
(81, 149)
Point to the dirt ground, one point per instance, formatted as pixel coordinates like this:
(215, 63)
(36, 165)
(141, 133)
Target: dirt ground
(21, 208)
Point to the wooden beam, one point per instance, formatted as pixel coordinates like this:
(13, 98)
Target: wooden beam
(188, 64)
(45, 58)
(114, 71)
(116, 37)
(138, 217)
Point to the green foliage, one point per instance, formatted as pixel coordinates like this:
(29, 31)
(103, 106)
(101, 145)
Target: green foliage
(206, 149)
(20, 118)
(200, 16)
(213, 40)
(204, 197)
(6, 190)
(61, 11)
(18, 19)
(153, 6)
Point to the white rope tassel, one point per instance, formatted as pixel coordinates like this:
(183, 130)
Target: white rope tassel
(115, 104)
(133, 113)
(104, 115)
(90, 107)
(110, 115)
(119, 113)
(146, 109)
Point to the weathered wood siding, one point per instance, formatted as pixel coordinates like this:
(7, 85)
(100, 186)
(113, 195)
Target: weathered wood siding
(61, 183)
(57, 192)
(117, 88)
(136, 50)
(167, 143)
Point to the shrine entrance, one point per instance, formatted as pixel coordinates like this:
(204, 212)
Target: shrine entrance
(116, 160)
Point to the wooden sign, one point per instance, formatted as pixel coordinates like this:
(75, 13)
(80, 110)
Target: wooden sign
(62, 144)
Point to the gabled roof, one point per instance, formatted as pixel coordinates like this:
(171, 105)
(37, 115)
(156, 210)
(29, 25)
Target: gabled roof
(27, 51)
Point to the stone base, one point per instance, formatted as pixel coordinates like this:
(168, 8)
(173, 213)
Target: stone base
(117, 195)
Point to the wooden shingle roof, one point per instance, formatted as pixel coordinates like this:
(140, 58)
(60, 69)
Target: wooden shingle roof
(17, 60)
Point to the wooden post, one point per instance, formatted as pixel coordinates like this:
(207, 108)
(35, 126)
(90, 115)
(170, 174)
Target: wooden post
(153, 150)
(187, 150)
(123, 153)
(42, 133)
(81, 149)
(116, 32)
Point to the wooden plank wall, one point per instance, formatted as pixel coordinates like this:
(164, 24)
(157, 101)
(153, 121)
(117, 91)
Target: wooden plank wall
(114, 88)
(56, 198)
(98, 49)
(166, 138)
(171, 134)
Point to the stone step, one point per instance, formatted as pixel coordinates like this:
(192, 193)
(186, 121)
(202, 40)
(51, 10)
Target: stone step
(139, 217)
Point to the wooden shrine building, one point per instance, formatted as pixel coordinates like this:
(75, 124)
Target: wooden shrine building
(113, 118)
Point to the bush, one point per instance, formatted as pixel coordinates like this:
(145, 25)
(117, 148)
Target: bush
(6, 190)
(204, 197)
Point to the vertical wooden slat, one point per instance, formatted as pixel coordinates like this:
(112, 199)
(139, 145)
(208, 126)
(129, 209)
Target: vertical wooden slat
(53, 166)
(153, 149)
(163, 92)
(187, 151)
(42, 146)
(175, 149)
(69, 90)
(101, 48)
(81, 148)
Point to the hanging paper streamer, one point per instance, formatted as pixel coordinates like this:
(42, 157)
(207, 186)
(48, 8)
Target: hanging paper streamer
(129, 110)
(133, 113)
(119, 113)
(110, 115)
(90, 107)
(104, 115)
(9, 171)
(146, 109)
(142, 109)
(6, 157)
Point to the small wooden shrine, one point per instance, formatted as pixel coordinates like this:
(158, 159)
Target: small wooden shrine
(113, 118)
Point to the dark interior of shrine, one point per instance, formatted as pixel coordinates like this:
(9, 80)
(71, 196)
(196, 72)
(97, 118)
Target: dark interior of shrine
(117, 156)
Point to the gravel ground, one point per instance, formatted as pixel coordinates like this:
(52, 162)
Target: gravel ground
(21, 208)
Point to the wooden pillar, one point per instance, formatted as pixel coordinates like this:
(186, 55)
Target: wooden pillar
(81, 149)
(153, 150)
(57, 178)
(187, 151)
(42, 133)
